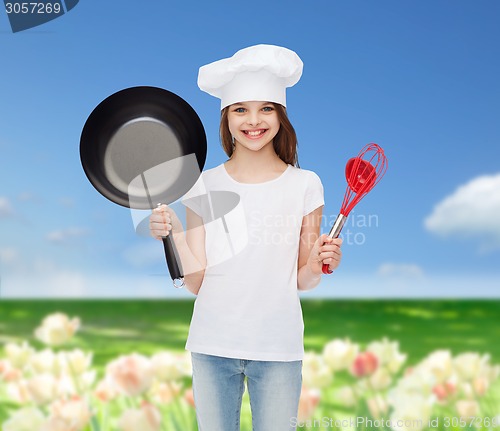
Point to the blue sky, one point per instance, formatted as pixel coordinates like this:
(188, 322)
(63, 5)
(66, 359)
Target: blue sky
(419, 78)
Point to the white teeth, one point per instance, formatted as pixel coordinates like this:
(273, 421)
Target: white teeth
(255, 133)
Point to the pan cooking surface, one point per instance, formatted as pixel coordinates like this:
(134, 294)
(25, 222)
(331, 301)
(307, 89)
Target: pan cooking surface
(136, 147)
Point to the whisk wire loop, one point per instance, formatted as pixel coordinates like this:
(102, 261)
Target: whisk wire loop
(362, 172)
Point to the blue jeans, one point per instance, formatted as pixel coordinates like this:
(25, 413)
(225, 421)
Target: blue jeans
(218, 386)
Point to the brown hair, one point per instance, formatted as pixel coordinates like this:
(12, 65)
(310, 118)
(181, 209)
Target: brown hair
(285, 142)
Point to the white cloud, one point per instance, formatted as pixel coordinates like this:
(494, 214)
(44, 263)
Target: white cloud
(405, 270)
(472, 210)
(65, 236)
(6, 209)
(66, 284)
(40, 278)
(29, 197)
(58, 284)
(8, 255)
(43, 277)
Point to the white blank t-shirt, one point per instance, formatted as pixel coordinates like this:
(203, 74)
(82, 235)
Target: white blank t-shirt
(248, 305)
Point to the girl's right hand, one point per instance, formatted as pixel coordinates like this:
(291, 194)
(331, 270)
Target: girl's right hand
(162, 221)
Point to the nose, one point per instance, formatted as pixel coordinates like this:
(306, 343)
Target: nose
(253, 118)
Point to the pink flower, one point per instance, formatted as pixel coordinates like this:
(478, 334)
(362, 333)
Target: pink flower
(8, 372)
(27, 418)
(378, 406)
(18, 392)
(309, 400)
(55, 424)
(440, 392)
(147, 418)
(4, 366)
(443, 391)
(18, 354)
(42, 388)
(339, 354)
(189, 397)
(408, 371)
(451, 387)
(480, 385)
(131, 374)
(364, 364)
(164, 393)
(56, 329)
(169, 366)
(75, 413)
(105, 390)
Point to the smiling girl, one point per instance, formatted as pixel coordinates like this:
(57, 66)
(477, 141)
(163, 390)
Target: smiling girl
(247, 320)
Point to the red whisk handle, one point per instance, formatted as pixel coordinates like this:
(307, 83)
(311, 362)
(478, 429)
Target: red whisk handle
(325, 269)
(334, 233)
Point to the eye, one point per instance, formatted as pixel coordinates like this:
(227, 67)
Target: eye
(268, 108)
(239, 110)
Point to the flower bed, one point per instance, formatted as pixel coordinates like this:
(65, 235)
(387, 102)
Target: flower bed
(344, 386)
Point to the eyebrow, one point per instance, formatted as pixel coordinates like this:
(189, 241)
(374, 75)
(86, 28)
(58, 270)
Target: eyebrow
(245, 104)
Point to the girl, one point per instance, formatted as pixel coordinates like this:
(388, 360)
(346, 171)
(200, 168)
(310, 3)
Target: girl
(247, 319)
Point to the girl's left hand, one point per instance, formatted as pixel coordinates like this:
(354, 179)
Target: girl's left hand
(325, 250)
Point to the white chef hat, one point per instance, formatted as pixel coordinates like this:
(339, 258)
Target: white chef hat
(260, 72)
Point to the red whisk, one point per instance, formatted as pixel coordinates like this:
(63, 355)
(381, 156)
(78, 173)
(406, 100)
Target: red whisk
(362, 173)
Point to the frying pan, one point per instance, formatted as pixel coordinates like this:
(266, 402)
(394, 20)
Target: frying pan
(143, 146)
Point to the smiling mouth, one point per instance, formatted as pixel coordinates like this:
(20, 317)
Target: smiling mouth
(254, 133)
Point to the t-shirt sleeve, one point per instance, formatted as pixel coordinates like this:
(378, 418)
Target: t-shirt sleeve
(314, 196)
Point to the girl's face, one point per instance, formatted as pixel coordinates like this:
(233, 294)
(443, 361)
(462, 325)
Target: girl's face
(253, 124)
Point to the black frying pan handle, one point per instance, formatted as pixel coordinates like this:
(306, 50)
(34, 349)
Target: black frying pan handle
(173, 261)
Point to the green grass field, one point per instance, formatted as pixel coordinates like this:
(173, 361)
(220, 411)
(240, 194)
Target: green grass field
(110, 328)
